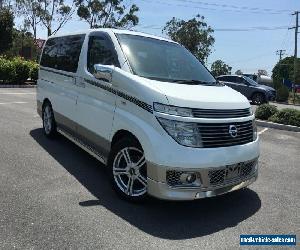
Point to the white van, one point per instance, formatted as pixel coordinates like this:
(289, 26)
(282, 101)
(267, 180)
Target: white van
(149, 110)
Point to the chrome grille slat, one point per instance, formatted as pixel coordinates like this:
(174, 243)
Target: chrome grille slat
(219, 113)
(217, 134)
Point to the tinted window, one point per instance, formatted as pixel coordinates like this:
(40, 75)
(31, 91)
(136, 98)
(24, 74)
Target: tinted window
(49, 53)
(63, 53)
(101, 51)
(162, 60)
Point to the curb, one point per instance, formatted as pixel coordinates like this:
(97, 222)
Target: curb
(285, 103)
(16, 86)
(277, 126)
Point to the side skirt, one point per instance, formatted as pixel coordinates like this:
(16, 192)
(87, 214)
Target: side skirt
(83, 146)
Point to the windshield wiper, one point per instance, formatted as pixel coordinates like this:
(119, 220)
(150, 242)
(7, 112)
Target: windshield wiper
(194, 82)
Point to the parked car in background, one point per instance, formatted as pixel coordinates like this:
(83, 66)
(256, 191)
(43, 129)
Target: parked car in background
(255, 92)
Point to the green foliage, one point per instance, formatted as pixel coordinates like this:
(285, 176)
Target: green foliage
(34, 70)
(194, 34)
(7, 70)
(6, 29)
(50, 12)
(287, 116)
(220, 68)
(17, 70)
(282, 94)
(107, 14)
(25, 39)
(22, 69)
(265, 111)
(284, 69)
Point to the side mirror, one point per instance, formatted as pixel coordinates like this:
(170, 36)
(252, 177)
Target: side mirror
(103, 72)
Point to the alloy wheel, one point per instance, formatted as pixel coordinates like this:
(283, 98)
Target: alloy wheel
(129, 170)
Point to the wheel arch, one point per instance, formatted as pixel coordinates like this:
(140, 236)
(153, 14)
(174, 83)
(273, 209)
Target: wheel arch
(122, 133)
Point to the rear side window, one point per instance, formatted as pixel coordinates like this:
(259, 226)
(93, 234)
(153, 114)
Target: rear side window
(101, 51)
(63, 53)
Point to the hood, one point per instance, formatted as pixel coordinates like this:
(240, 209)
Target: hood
(201, 96)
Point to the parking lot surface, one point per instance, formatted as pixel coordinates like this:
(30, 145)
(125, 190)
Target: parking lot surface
(54, 195)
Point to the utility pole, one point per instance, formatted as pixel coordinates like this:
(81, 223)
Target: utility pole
(280, 52)
(296, 13)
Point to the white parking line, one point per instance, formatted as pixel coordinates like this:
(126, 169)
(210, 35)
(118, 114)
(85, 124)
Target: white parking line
(18, 93)
(5, 103)
(264, 130)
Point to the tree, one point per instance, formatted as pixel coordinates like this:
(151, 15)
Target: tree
(194, 34)
(30, 9)
(262, 72)
(107, 14)
(54, 11)
(6, 29)
(220, 68)
(238, 72)
(284, 69)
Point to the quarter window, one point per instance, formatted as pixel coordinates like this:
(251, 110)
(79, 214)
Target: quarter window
(101, 51)
(63, 53)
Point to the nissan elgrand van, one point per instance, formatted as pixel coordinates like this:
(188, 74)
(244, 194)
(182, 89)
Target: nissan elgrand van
(150, 111)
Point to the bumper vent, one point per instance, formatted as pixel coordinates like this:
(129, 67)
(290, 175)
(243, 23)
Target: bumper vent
(221, 113)
(225, 134)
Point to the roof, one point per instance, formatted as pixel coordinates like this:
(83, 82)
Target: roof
(115, 31)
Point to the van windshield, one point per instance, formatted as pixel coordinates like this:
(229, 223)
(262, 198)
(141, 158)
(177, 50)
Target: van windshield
(162, 60)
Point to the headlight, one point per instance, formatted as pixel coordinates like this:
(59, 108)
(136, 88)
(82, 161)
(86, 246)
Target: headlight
(185, 133)
(172, 110)
(254, 130)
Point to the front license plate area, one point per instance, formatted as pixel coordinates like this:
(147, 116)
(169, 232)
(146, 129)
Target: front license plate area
(232, 172)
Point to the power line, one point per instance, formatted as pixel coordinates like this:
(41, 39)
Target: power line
(213, 9)
(257, 28)
(235, 6)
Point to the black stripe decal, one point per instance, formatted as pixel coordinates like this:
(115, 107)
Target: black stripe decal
(132, 99)
(55, 72)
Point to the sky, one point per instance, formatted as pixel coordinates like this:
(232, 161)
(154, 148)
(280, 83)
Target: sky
(248, 50)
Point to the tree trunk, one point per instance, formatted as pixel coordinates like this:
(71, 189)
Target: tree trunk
(49, 31)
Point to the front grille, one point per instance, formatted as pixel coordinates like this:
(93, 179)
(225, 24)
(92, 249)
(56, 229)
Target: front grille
(218, 135)
(221, 113)
(222, 176)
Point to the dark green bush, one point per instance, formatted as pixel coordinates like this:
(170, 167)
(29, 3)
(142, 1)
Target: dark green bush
(265, 111)
(7, 70)
(17, 70)
(22, 69)
(34, 71)
(287, 116)
(282, 94)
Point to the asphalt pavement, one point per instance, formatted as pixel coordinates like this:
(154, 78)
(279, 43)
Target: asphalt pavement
(53, 195)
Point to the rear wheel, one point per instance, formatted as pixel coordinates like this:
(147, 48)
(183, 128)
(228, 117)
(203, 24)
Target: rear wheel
(128, 170)
(258, 99)
(49, 124)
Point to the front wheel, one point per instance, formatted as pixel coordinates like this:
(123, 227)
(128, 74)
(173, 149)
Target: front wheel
(258, 99)
(127, 166)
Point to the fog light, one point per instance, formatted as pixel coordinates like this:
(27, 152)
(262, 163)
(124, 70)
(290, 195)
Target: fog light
(190, 178)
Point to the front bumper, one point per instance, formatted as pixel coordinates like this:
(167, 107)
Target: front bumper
(162, 190)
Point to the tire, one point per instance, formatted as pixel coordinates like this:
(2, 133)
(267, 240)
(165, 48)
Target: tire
(128, 170)
(258, 98)
(49, 125)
